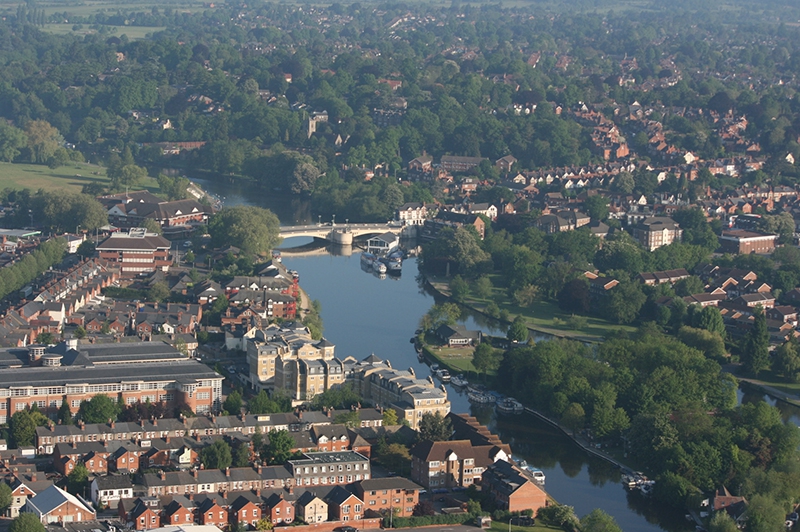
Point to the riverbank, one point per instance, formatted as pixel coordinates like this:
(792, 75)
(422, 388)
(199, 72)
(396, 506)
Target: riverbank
(545, 319)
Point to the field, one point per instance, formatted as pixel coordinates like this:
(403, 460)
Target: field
(71, 177)
(133, 32)
(543, 316)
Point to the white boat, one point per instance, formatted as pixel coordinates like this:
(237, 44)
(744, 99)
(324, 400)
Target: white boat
(393, 265)
(379, 267)
(443, 375)
(537, 474)
(509, 405)
(459, 381)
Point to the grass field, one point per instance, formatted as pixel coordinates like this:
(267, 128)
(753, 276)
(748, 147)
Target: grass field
(71, 177)
(503, 527)
(543, 316)
(133, 32)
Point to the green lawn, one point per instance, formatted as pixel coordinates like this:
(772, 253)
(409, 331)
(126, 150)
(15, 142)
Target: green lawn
(503, 527)
(133, 32)
(71, 177)
(542, 316)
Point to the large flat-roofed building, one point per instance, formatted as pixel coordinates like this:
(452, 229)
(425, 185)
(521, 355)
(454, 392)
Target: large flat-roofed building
(136, 251)
(129, 372)
(342, 467)
(743, 242)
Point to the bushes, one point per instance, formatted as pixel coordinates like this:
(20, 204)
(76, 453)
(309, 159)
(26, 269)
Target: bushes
(443, 519)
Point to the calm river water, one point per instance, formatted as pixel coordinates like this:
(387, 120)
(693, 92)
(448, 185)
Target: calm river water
(363, 314)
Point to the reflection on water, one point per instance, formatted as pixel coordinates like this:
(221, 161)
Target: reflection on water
(789, 413)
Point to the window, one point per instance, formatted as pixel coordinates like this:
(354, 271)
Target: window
(357, 508)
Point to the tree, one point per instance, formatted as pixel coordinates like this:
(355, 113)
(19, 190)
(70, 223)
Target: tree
(152, 226)
(26, 522)
(787, 360)
(46, 338)
(5, 496)
(459, 288)
(764, 514)
(395, 457)
(574, 417)
(625, 301)
(434, 427)
(279, 448)
(77, 479)
(158, 291)
(518, 330)
(390, 417)
(722, 522)
(189, 257)
(424, 507)
(174, 188)
(352, 419)
(755, 352)
(526, 295)
(623, 182)
(482, 287)
(596, 207)
(43, 140)
(241, 456)
(216, 456)
(252, 229)
(64, 413)
(86, 249)
(23, 428)
(440, 314)
(99, 409)
(233, 403)
(12, 140)
(126, 176)
(485, 358)
(599, 521)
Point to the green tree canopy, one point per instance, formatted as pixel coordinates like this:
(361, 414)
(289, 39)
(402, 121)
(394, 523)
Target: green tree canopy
(216, 456)
(279, 447)
(98, 409)
(252, 229)
(26, 522)
(434, 427)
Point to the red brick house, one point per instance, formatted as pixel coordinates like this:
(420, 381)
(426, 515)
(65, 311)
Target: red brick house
(176, 513)
(211, 513)
(278, 510)
(244, 511)
(512, 490)
(396, 493)
(344, 506)
(140, 515)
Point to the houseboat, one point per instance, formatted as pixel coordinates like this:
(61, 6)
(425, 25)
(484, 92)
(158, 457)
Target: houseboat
(509, 405)
(481, 398)
(393, 265)
(367, 259)
(443, 375)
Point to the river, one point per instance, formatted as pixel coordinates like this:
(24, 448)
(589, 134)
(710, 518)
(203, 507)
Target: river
(364, 314)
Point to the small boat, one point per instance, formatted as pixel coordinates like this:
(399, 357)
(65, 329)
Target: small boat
(443, 375)
(509, 405)
(647, 487)
(459, 381)
(434, 368)
(392, 265)
(537, 474)
(379, 267)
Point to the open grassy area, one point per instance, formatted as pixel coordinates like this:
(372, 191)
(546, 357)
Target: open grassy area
(133, 32)
(71, 177)
(542, 316)
(503, 527)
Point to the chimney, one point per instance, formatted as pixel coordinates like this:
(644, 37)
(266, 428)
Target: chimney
(225, 495)
(330, 412)
(258, 492)
(191, 496)
(74, 444)
(82, 425)
(33, 476)
(155, 422)
(194, 473)
(112, 423)
(141, 422)
(300, 415)
(166, 440)
(228, 472)
(258, 469)
(291, 489)
(161, 475)
(197, 436)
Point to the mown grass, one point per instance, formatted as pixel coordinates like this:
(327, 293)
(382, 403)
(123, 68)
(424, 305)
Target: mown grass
(542, 316)
(71, 177)
(134, 33)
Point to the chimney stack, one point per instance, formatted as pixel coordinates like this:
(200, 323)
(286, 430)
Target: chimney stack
(228, 472)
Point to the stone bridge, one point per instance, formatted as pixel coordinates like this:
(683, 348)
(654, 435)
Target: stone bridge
(340, 234)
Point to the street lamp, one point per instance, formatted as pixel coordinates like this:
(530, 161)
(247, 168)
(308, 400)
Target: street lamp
(333, 220)
(319, 218)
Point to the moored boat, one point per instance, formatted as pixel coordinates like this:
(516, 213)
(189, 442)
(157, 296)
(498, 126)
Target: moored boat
(459, 381)
(481, 398)
(443, 375)
(367, 259)
(509, 405)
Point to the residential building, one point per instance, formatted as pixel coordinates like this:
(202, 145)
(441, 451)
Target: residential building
(136, 251)
(344, 506)
(55, 505)
(512, 489)
(412, 213)
(431, 228)
(453, 464)
(311, 508)
(395, 494)
(279, 510)
(383, 244)
(457, 335)
(457, 163)
(335, 468)
(657, 231)
(109, 489)
(743, 242)
(386, 387)
(130, 209)
(667, 276)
